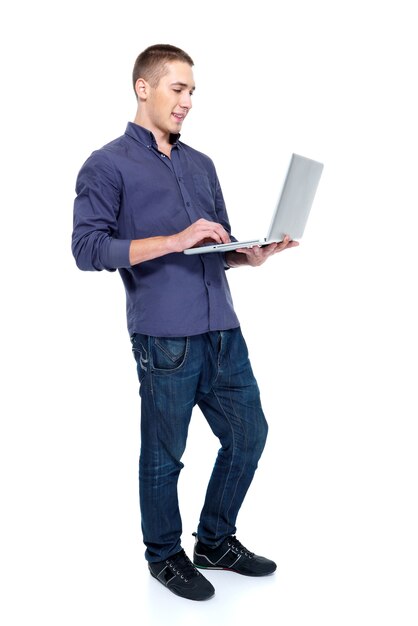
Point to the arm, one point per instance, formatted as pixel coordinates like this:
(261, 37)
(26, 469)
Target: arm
(146, 249)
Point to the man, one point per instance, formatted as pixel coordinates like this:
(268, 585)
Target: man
(141, 201)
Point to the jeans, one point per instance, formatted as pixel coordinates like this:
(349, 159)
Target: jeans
(212, 371)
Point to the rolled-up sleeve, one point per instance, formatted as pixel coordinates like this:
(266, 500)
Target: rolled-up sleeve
(95, 242)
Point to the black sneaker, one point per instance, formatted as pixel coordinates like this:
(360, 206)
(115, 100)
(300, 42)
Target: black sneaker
(181, 577)
(231, 555)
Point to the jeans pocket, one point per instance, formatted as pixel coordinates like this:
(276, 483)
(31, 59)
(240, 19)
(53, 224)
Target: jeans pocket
(169, 353)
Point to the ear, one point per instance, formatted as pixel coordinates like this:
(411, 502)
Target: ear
(141, 89)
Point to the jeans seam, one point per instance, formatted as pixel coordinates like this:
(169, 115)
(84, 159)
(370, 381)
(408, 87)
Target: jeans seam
(232, 461)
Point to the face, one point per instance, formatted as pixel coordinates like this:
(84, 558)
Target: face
(167, 105)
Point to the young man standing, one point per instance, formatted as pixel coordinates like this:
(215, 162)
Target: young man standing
(141, 201)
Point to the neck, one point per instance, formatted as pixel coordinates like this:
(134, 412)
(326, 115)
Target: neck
(162, 138)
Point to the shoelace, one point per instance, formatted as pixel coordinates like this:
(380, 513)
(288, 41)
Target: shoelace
(237, 545)
(182, 565)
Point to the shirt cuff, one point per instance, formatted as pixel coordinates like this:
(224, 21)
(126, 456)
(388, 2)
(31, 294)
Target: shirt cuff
(119, 253)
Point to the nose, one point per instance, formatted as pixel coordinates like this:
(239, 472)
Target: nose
(186, 101)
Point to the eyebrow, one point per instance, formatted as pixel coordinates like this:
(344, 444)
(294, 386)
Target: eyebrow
(180, 84)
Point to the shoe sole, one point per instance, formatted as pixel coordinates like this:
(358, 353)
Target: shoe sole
(235, 571)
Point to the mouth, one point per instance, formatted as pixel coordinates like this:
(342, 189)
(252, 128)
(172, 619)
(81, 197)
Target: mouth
(179, 117)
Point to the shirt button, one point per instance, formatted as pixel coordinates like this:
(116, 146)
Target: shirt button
(187, 203)
(208, 283)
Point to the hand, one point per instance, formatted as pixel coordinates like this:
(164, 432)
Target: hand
(202, 231)
(257, 255)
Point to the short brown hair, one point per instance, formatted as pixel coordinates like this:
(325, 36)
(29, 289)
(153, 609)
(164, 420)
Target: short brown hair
(150, 64)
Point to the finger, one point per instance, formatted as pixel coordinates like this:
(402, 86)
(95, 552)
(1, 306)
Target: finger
(247, 251)
(254, 250)
(216, 231)
(291, 244)
(222, 235)
(208, 232)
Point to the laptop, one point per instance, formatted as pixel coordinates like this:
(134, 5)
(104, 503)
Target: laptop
(291, 212)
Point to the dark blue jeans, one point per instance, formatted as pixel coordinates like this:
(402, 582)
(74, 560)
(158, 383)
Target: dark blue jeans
(212, 371)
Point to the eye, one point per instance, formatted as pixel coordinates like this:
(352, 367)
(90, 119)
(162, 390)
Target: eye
(177, 90)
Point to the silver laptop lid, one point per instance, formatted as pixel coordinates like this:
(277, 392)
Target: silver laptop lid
(296, 198)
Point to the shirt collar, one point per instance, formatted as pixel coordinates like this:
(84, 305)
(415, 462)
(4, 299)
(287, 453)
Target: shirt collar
(145, 136)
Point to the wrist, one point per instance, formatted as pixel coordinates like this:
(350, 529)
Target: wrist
(172, 244)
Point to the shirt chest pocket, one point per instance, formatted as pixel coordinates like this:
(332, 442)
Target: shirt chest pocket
(204, 195)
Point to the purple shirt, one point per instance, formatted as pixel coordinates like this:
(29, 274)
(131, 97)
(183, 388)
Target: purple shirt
(129, 190)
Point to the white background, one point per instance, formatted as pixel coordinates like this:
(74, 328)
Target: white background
(331, 326)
